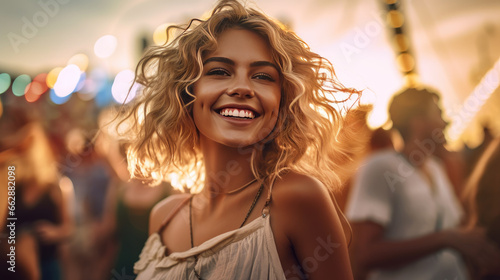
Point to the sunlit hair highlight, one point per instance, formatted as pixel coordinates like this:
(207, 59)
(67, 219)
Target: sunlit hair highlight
(309, 137)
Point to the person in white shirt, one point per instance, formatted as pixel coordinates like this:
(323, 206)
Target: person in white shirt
(402, 208)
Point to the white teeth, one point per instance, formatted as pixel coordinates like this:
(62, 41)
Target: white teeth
(237, 113)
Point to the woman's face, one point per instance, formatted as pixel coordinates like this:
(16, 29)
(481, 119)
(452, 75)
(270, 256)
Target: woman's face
(238, 94)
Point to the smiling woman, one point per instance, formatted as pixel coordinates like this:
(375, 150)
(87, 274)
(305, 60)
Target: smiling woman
(241, 106)
(239, 80)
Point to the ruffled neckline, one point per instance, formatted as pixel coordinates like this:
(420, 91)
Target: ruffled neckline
(155, 249)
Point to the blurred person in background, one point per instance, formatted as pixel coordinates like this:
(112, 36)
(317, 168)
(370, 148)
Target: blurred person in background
(403, 210)
(90, 176)
(378, 139)
(482, 198)
(127, 209)
(43, 220)
(356, 119)
(454, 165)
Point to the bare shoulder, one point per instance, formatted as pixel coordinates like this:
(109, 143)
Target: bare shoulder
(300, 200)
(163, 208)
(295, 189)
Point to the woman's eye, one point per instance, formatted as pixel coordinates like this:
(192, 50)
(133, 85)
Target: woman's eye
(218, 72)
(264, 76)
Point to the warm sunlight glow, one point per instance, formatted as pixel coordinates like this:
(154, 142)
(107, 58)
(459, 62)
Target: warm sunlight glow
(488, 84)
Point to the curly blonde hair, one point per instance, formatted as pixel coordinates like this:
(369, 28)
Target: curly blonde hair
(307, 138)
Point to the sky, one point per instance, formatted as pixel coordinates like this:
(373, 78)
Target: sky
(454, 42)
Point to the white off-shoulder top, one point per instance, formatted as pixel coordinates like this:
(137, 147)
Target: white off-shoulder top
(248, 252)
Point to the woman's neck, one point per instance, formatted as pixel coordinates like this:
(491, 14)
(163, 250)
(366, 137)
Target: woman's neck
(226, 168)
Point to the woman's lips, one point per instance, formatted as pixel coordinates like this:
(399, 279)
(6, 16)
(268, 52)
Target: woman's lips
(237, 110)
(237, 113)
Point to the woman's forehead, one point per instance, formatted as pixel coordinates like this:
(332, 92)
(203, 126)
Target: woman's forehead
(238, 43)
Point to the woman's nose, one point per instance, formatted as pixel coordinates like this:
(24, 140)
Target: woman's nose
(241, 88)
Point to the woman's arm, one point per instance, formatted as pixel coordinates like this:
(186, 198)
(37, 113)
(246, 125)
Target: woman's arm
(312, 225)
(54, 233)
(370, 250)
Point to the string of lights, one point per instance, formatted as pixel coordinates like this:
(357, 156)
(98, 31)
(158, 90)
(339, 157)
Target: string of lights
(401, 43)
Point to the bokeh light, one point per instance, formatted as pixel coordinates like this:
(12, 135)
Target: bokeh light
(406, 63)
(105, 46)
(80, 60)
(395, 19)
(40, 80)
(29, 93)
(81, 81)
(36, 88)
(411, 79)
(402, 43)
(57, 99)
(52, 76)
(20, 83)
(4, 82)
(67, 80)
(121, 86)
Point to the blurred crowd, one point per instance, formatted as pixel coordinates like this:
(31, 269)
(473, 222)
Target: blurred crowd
(79, 216)
(412, 203)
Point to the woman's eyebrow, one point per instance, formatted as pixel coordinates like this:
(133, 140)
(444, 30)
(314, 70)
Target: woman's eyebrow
(231, 62)
(219, 59)
(264, 63)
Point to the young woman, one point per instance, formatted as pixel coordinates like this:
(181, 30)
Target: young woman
(240, 107)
